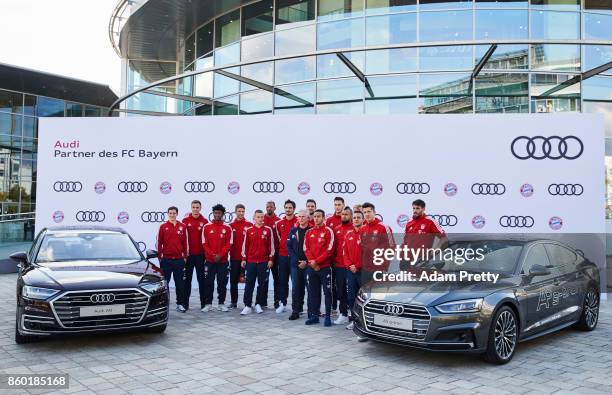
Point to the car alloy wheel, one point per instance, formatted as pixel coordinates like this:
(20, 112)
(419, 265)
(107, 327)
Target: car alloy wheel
(505, 335)
(591, 306)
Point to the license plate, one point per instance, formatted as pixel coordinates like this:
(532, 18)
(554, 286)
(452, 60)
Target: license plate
(95, 311)
(393, 322)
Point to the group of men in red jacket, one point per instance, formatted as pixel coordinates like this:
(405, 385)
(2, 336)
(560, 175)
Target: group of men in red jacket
(319, 254)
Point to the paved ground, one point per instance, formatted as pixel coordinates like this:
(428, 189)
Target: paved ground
(226, 353)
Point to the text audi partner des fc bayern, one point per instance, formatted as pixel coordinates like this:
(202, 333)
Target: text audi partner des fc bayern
(543, 286)
(87, 279)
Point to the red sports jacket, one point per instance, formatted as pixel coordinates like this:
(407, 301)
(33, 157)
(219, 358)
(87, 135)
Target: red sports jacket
(238, 227)
(282, 228)
(217, 240)
(319, 245)
(258, 245)
(172, 241)
(194, 233)
(340, 232)
(352, 248)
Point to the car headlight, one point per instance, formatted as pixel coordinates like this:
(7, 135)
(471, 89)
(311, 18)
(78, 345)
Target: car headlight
(362, 297)
(155, 287)
(460, 306)
(38, 293)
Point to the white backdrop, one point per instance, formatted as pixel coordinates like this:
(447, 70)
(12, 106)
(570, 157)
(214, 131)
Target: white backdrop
(459, 164)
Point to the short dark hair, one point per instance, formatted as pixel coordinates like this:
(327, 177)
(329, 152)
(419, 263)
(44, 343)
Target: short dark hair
(291, 202)
(240, 205)
(271, 202)
(358, 212)
(196, 202)
(347, 208)
(258, 211)
(320, 211)
(419, 203)
(218, 207)
(368, 205)
(339, 199)
(311, 201)
(173, 208)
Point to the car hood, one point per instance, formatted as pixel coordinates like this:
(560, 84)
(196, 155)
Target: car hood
(80, 275)
(433, 293)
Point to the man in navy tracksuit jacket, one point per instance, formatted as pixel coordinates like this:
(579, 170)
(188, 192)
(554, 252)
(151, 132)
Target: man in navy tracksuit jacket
(298, 263)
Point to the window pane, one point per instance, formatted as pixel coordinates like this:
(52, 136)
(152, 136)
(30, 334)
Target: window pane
(346, 90)
(597, 88)
(444, 94)
(204, 85)
(335, 9)
(189, 50)
(92, 111)
(568, 5)
(295, 41)
(601, 5)
(387, 6)
(392, 95)
(48, 107)
(331, 66)
(204, 63)
(260, 72)
(597, 26)
(290, 11)
(226, 86)
(555, 25)
(29, 107)
(30, 127)
(256, 102)
(596, 56)
(391, 106)
(444, 4)
(74, 110)
(567, 99)
(501, 3)
(259, 47)
(502, 93)
(292, 70)
(228, 29)
(505, 57)
(446, 26)
(502, 24)
(226, 106)
(205, 39)
(257, 18)
(11, 101)
(555, 57)
(391, 29)
(391, 60)
(446, 58)
(204, 109)
(227, 55)
(10, 124)
(295, 99)
(340, 34)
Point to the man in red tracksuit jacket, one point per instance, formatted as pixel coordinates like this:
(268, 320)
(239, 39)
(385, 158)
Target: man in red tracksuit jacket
(217, 242)
(311, 206)
(352, 260)
(332, 222)
(318, 248)
(238, 226)
(421, 231)
(194, 223)
(375, 234)
(257, 258)
(282, 229)
(340, 276)
(270, 219)
(173, 251)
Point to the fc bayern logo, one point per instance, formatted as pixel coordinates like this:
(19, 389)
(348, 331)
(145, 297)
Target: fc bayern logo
(123, 217)
(526, 190)
(303, 188)
(58, 216)
(555, 223)
(478, 222)
(402, 220)
(233, 187)
(165, 187)
(450, 189)
(100, 187)
(376, 188)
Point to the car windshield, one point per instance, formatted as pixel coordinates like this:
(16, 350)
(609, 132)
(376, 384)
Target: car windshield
(499, 256)
(62, 247)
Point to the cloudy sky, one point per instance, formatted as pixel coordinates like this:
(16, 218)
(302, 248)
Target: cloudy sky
(67, 37)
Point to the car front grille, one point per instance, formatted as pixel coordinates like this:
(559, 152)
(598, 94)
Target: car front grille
(419, 315)
(67, 308)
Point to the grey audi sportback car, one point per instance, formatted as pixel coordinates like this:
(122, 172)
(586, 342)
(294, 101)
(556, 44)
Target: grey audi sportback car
(543, 286)
(87, 280)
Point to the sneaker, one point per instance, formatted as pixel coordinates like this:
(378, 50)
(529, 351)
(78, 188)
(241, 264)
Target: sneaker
(281, 309)
(294, 316)
(350, 326)
(342, 319)
(327, 321)
(258, 309)
(206, 308)
(233, 305)
(246, 310)
(312, 320)
(180, 308)
(276, 304)
(224, 308)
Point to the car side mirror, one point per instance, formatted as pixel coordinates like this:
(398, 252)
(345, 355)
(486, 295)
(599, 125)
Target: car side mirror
(19, 257)
(539, 270)
(150, 254)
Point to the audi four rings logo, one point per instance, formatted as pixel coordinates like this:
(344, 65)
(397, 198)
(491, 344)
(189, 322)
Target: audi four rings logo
(565, 189)
(393, 309)
(488, 189)
(445, 219)
(90, 216)
(339, 187)
(553, 147)
(132, 186)
(199, 186)
(102, 298)
(410, 188)
(516, 221)
(268, 187)
(67, 186)
(153, 216)
(227, 217)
